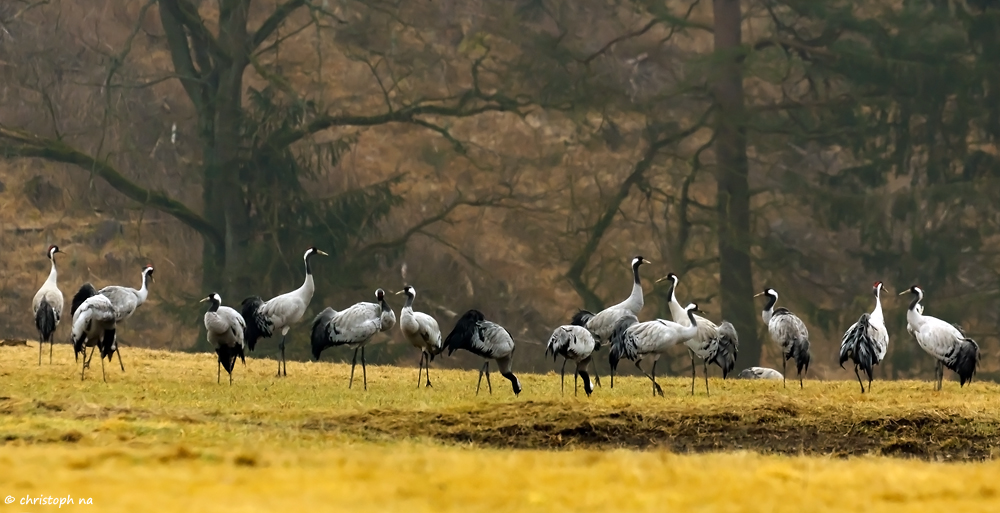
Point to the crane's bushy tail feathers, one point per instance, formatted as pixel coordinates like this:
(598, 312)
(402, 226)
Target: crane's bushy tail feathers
(964, 359)
(86, 292)
(227, 356)
(859, 347)
(319, 338)
(45, 321)
(465, 329)
(729, 348)
(802, 356)
(581, 318)
(623, 344)
(558, 343)
(257, 325)
(109, 344)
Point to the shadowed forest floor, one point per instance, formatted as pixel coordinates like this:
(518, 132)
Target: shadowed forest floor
(165, 433)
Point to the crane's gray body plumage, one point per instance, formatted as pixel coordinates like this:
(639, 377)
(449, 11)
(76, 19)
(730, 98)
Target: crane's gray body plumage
(573, 343)
(603, 323)
(127, 299)
(487, 340)
(226, 328)
(353, 327)
(637, 341)
(945, 342)
(718, 344)
(760, 373)
(47, 306)
(421, 331)
(789, 332)
(263, 318)
(94, 323)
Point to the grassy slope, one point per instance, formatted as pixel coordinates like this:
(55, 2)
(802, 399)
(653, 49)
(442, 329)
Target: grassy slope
(164, 433)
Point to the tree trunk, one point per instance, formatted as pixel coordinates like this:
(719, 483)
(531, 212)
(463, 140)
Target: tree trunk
(733, 193)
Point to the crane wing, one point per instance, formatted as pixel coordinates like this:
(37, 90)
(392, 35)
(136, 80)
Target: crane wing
(124, 299)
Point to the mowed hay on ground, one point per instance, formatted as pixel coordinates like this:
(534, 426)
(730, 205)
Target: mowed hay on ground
(165, 433)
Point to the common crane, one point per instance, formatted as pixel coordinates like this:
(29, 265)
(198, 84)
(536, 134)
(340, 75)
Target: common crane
(263, 318)
(789, 332)
(47, 306)
(573, 343)
(866, 341)
(420, 330)
(947, 343)
(487, 340)
(637, 340)
(718, 344)
(353, 327)
(225, 328)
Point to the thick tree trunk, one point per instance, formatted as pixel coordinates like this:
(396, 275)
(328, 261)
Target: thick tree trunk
(733, 193)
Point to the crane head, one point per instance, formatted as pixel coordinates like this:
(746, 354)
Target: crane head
(638, 260)
(409, 291)
(313, 250)
(53, 249)
(380, 294)
(913, 290)
(670, 276)
(213, 297)
(147, 271)
(767, 292)
(877, 288)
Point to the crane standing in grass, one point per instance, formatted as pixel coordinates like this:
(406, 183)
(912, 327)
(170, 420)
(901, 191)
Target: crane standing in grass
(125, 301)
(789, 332)
(47, 305)
(947, 343)
(603, 323)
(573, 343)
(866, 341)
(225, 329)
(354, 328)
(637, 340)
(94, 323)
(485, 339)
(422, 331)
(716, 344)
(263, 318)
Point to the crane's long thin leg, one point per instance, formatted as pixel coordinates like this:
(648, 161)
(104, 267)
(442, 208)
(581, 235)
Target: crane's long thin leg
(800, 379)
(575, 374)
(40, 344)
(427, 369)
(691, 354)
(354, 361)
(84, 367)
(102, 370)
(281, 346)
(784, 371)
(656, 386)
(52, 342)
(488, 384)
(940, 374)
(562, 378)
(119, 351)
(420, 368)
(705, 365)
(597, 377)
(231, 376)
(859, 378)
(218, 374)
(480, 382)
(364, 373)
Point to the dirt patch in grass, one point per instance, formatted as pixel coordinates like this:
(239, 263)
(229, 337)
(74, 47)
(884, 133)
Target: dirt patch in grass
(782, 430)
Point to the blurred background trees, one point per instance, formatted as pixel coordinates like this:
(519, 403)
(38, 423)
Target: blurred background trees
(510, 157)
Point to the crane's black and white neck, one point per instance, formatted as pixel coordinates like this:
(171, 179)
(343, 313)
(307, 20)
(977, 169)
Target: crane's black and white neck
(147, 276)
(411, 294)
(635, 300)
(215, 301)
(305, 258)
(918, 296)
(772, 298)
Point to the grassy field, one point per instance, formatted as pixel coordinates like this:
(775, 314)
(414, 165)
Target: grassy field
(164, 435)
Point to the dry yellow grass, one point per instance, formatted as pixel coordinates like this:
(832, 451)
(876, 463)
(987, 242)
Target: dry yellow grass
(164, 435)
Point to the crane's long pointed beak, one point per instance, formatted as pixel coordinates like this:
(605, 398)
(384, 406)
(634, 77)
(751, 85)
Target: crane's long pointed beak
(662, 279)
(321, 252)
(903, 292)
(758, 294)
(400, 292)
(646, 261)
(205, 299)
